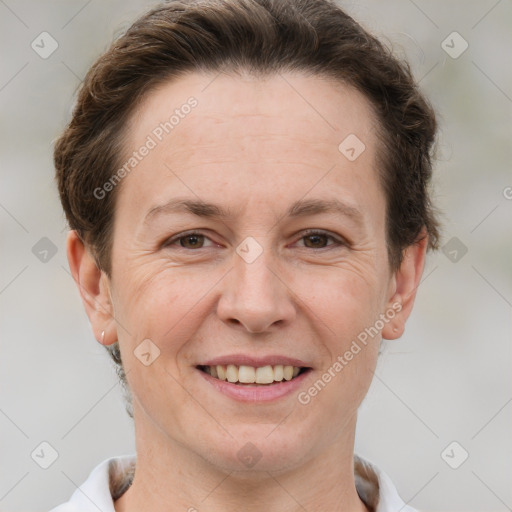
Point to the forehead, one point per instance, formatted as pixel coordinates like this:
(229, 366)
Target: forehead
(312, 107)
(278, 134)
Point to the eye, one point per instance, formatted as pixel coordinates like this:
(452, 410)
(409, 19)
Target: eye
(315, 239)
(191, 240)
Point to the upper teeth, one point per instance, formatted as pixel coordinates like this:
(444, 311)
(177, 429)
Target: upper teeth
(250, 374)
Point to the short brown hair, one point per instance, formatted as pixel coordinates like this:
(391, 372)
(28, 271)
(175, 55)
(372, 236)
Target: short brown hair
(261, 37)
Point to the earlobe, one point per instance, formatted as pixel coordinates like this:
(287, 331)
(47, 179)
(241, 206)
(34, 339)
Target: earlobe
(94, 288)
(406, 281)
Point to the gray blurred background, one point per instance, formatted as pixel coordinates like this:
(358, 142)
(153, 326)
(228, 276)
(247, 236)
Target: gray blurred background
(441, 391)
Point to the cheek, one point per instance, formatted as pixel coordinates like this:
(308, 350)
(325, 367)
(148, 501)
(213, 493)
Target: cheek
(344, 310)
(166, 306)
(343, 300)
(154, 299)
(163, 307)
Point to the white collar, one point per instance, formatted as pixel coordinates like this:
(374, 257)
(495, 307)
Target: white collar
(374, 487)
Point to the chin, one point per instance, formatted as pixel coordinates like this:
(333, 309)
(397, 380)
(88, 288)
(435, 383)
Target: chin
(257, 449)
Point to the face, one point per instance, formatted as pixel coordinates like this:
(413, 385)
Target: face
(245, 236)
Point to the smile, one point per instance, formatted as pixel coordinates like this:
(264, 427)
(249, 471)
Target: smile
(247, 375)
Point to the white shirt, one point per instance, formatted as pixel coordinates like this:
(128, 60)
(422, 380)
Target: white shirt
(110, 479)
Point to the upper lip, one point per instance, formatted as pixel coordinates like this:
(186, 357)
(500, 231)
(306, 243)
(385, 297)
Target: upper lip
(247, 360)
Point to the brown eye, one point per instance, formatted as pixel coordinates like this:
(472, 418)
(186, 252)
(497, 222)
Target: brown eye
(320, 240)
(193, 241)
(189, 241)
(316, 241)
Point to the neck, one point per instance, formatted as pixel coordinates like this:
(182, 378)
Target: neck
(169, 477)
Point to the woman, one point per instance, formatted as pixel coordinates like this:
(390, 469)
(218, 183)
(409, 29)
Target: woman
(247, 187)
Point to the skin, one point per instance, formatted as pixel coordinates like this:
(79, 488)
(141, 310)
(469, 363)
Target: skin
(253, 146)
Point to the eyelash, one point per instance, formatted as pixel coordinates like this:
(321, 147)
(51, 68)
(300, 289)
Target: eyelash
(311, 232)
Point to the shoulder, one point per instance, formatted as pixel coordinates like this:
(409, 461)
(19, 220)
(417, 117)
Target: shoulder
(376, 489)
(106, 482)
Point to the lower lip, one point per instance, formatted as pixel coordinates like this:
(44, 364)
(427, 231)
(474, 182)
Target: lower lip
(262, 393)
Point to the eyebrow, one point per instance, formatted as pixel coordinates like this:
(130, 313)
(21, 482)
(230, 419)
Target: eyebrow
(300, 208)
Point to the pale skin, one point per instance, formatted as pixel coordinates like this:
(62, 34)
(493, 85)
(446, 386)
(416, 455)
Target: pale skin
(253, 147)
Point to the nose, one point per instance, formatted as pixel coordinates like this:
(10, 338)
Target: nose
(255, 296)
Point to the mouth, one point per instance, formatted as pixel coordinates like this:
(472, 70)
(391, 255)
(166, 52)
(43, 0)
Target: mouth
(251, 376)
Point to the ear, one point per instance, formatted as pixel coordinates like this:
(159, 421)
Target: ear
(94, 287)
(403, 286)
